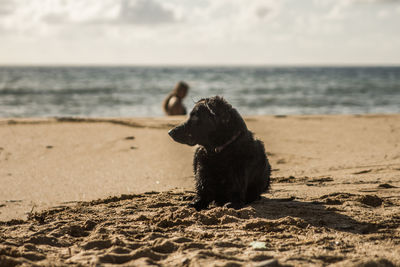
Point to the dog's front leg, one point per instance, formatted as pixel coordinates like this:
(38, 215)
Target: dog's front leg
(237, 193)
(236, 202)
(202, 199)
(204, 189)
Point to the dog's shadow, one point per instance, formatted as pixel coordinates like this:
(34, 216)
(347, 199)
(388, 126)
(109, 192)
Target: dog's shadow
(314, 213)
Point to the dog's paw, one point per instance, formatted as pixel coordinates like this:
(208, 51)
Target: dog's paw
(187, 198)
(233, 205)
(198, 205)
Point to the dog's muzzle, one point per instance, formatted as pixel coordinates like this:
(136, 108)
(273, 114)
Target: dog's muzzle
(180, 135)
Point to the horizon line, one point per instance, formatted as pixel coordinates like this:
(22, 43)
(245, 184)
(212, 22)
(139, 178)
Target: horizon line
(222, 65)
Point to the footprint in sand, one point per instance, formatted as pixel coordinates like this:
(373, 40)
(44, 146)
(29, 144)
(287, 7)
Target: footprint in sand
(386, 186)
(363, 171)
(319, 181)
(3, 154)
(370, 200)
(131, 138)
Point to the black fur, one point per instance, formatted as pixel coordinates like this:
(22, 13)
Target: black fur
(230, 166)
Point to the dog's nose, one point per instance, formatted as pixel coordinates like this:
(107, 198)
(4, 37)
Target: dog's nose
(171, 132)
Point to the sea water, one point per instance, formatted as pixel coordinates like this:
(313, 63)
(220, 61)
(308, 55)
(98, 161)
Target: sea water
(139, 91)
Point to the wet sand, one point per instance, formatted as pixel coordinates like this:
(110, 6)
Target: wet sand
(334, 198)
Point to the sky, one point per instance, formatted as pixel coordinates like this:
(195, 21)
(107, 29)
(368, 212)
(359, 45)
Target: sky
(200, 32)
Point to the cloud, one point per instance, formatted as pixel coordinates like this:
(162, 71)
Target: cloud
(134, 12)
(154, 30)
(369, 1)
(206, 15)
(262, 12)
(6, 7)
(228, 21)
(56, 18)
(377, 1)
(341, 9)
(144, 12)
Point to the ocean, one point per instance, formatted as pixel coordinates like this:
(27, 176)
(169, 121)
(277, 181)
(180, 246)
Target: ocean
(139, 91)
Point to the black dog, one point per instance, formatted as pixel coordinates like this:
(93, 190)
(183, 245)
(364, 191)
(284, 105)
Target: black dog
(230, 166)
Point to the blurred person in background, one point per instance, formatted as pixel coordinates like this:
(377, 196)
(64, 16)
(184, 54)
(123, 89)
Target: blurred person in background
(173, 103)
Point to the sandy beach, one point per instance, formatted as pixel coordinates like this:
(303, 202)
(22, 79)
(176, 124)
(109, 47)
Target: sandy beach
(114, 191)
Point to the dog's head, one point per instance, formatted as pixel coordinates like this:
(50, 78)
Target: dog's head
(211, 123)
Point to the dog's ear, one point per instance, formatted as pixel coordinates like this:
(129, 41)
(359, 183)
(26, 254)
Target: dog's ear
(209, 109)
(221, 109)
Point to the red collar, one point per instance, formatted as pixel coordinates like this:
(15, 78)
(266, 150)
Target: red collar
(230, 141)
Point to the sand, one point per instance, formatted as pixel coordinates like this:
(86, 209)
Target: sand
(115, 191)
